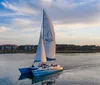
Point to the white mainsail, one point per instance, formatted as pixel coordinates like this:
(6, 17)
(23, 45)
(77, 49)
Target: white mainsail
(49, 37)
(40, 54)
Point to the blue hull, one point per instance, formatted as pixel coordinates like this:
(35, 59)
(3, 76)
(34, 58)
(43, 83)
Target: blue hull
(45, 77)
(25, 70)
(44, 72)
(25, 76)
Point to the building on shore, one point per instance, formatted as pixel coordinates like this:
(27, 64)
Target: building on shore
(8, 47)
(26, 47)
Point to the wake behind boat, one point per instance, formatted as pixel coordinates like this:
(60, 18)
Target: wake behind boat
(45, 51)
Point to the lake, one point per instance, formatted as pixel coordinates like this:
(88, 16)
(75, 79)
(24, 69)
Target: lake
(79, 69)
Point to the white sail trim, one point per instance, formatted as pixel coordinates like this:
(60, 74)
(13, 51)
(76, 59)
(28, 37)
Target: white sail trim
(49, 37)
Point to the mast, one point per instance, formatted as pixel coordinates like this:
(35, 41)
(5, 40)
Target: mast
(43, 24)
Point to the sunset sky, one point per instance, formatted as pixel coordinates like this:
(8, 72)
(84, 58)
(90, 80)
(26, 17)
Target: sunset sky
(75, 21)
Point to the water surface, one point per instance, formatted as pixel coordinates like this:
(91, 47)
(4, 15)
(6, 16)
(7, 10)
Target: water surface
(79, 69)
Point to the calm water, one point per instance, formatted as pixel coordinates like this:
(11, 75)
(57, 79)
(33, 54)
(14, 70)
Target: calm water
(80, 69)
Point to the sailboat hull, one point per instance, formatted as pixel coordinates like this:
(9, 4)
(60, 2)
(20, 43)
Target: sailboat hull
(25, 70)
(46, 71)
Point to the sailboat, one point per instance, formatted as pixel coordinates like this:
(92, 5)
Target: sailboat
(46, 51)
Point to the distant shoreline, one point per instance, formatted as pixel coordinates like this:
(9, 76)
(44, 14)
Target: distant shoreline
(60, 48)
(70, 51)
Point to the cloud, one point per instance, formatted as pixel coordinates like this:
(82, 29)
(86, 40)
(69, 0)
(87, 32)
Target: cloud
(23, 18)
(66, 4)
(48, 1)
(65, 11)
(25, 25)
(4, 29)
(78, 37)
(19, 37)
(9, 6)
(22, 22)
(88, 25)
(72, 12)
(21, 8)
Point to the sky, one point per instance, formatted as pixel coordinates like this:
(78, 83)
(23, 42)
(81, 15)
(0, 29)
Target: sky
(75, 21)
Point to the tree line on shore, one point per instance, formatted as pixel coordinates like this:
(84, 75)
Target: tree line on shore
(60, 48)
(68, 48)
(65, 48)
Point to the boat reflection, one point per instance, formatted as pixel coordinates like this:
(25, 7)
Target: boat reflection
(41, 80)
